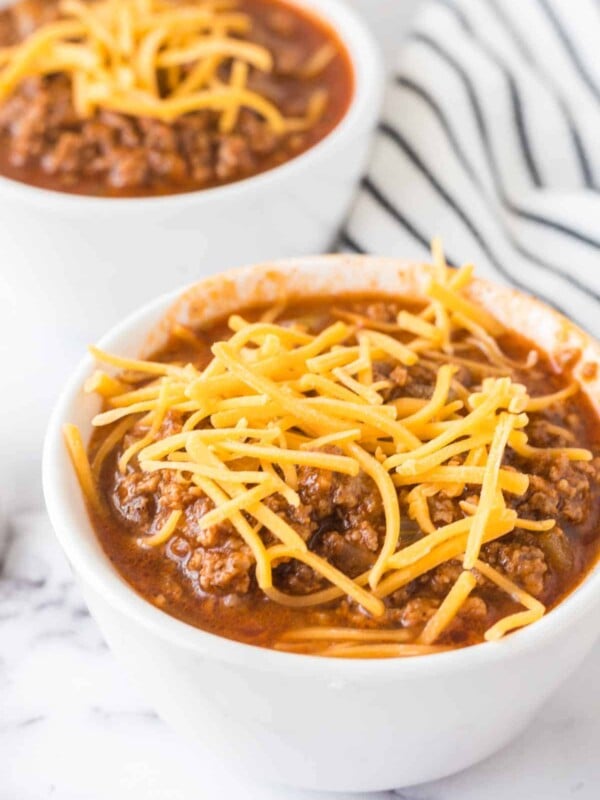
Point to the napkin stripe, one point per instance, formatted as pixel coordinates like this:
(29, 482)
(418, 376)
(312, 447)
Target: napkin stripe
(570, 48)
(488, 139)
(476, 108)
(467, 221)
(517, 106)
(348, 242)
(463, 160)
(385, 203)
(439, 114)
(447, 197)
(534, 65)
(515, 97)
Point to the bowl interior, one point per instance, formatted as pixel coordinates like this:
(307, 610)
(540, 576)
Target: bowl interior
(225, 293)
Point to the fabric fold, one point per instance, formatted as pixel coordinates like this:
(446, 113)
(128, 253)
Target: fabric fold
(489, 139)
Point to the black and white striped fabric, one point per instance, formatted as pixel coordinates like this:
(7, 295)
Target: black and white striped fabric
(490, 137)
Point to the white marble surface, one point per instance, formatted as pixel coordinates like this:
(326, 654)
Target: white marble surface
(73, 727)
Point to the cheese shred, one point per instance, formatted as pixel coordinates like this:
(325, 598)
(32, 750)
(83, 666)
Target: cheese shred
(159, 59)
(276, 401)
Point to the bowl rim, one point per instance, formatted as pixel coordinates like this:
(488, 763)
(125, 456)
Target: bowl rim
(367, 71)
(96, 570)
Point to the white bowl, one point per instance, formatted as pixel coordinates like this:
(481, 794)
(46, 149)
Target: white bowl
(73, 265)
(302, 720)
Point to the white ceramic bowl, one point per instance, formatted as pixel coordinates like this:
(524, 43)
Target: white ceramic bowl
(73, 265)
(303, 720)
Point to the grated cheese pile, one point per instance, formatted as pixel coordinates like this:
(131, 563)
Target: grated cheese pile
(273, 397)
(160, 59)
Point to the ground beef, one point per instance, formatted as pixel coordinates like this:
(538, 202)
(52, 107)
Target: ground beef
(361, 532)
(442, 578)
(124, 151)
(299, 517)
(469, 625)
(559, 487)
(522, 563)
(341, 519)
(420, 382)
(297, 578)
(350, 504)
(140, 496)
(394, 374)
(134, 496)
(380, 311)
(473, 610)
(418, 611)
(443, 509)
(42, 140)
(213, 536)
(349, 557)
(542, 433)
(223, 571)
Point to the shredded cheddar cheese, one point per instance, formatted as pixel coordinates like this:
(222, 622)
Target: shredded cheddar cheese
(449, 608)
(158, 59)
(275, 400)
(164, 533)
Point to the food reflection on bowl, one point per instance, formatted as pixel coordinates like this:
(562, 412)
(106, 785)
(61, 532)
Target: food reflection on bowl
(486, 410)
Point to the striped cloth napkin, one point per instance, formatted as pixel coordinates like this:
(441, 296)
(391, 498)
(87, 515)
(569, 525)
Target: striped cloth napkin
(490, 137)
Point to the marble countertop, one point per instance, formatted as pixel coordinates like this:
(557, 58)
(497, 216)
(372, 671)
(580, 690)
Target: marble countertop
(73, 727)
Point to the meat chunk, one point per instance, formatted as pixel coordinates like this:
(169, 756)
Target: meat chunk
(522, 563)
(443, 509)
(140, 496)
(473, 611)
(350, 558)
(380, 311)
(299, 517)
(559, 487)
(443, 578)
(420, 382)
(27, 128)
(316, 488)
(67, 155)
(128, 167)
(258, 134)
(223, 571)
(213, 536)
(330, 492)
(418, 611)
(349, 504)
(233, 157)
(542, 433)
(125, 128)
(134, 496)
(297, 578)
